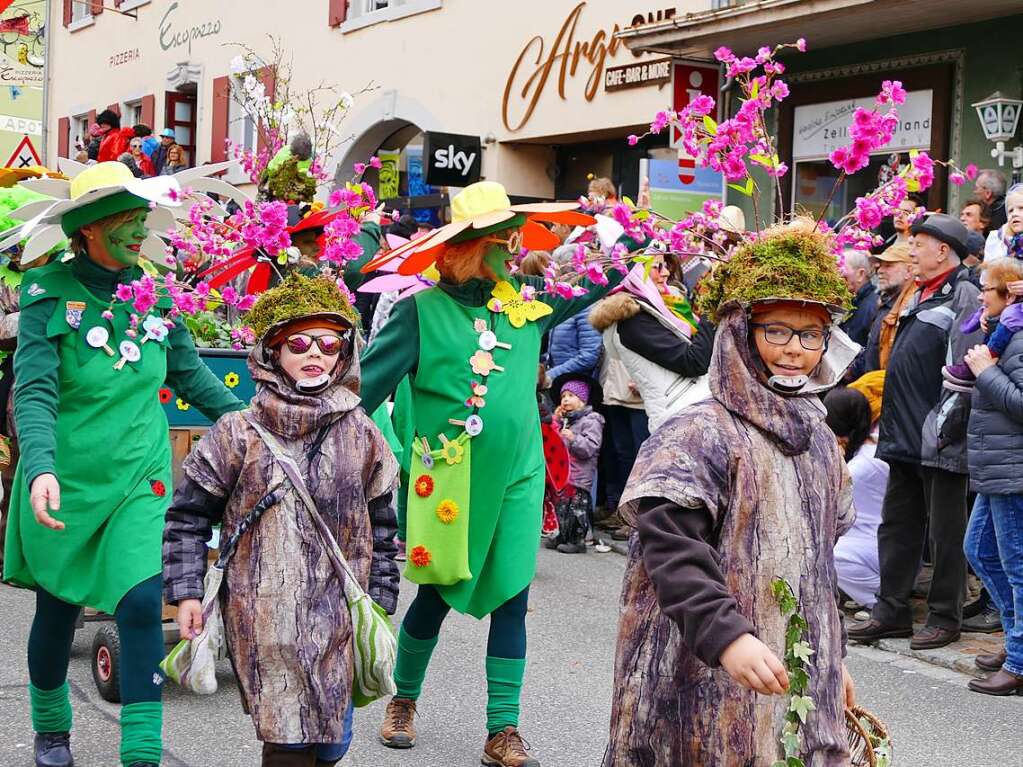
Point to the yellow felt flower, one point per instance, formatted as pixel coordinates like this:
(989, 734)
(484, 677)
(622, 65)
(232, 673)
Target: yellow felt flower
(452, 453)
(447, 511)
(520, 306)
(182, 405)
(231, 380)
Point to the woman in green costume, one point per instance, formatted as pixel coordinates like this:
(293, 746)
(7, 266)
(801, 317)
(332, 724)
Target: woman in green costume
(470, 347)
(91, 489)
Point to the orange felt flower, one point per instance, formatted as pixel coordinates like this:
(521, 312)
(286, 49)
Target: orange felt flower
(447, 511)
(424, 486)
(420, 556)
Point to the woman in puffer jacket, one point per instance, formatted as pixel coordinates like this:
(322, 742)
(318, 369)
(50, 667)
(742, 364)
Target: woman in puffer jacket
(652, 331)
(994, 442)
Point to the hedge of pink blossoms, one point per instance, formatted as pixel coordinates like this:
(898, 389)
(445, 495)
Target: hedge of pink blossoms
(205, 241)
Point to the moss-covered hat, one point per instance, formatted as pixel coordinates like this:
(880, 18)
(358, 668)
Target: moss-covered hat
(298, 298)
(788, 262)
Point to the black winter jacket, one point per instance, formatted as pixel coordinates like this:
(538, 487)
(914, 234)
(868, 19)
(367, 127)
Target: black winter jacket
(922, 423)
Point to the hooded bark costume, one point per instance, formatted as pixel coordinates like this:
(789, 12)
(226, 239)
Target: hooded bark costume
(477, 469)
(741, 489)
(74, 395)
(294, 665)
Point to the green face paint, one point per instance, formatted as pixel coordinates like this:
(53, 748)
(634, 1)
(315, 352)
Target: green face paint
(497, 258)
(124, 240)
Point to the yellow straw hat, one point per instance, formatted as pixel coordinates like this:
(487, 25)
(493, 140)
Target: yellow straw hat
(479, 210)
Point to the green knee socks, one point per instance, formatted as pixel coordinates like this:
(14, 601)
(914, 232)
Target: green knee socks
(51, 709)
(410, 668)
(504, 686)
(141, 732)
(141, 723)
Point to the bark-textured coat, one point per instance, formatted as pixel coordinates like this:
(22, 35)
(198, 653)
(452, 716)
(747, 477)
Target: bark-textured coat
(769, 473)
(287, 623)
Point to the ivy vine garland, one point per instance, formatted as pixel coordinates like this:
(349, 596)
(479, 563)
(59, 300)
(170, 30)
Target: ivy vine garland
(797, 663)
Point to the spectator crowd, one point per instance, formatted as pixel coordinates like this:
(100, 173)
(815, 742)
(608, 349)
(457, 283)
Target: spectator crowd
(145, 154)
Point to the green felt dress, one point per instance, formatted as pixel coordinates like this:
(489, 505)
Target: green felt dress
(431, 338)
(100, 430)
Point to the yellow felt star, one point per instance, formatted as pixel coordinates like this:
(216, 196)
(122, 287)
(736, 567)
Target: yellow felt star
(520, 306)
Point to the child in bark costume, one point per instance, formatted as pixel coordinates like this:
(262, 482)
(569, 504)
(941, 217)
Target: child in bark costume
(85, 526)
(476, 470)
(741, 489)
(294, 666)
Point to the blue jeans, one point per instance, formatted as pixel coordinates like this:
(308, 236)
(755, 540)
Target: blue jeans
(331, 752)
(994, 547)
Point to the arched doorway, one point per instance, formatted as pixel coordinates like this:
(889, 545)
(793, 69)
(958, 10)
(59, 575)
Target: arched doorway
(391, 127)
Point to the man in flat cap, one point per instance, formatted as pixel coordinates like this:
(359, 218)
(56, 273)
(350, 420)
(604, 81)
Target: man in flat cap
(923, 439)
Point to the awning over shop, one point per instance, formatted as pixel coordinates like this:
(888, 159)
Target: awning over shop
(747, 25)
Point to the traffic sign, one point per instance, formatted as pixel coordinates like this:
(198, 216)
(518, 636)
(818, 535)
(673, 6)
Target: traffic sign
(24, 156)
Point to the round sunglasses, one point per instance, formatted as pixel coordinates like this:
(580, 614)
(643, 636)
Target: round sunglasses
(329, 343)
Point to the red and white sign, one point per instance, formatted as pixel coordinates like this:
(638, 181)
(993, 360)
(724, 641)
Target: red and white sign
(686, 166)
(689, 81)
(24, 155)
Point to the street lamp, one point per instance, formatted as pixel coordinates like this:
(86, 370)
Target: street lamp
(999, 117)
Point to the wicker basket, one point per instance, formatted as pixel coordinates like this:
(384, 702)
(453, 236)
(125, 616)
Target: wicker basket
(865, 732)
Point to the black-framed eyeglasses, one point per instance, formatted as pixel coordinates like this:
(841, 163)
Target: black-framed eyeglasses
(777, 334)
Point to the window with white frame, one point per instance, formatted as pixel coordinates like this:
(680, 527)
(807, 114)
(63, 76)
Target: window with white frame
(79, 133)
(81, 10)
(132, 114)
(363, 13)
(241, 126)
(357, 8)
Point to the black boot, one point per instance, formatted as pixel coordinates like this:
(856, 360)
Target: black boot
(53, 749)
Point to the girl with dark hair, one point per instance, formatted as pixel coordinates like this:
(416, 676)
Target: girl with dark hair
(856, 559)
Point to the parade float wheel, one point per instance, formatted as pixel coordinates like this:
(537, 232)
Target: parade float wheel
(106, 663)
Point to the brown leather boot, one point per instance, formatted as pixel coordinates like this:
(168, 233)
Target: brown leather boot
(275, 756)
(507, 749)
(991, 662)
(398, 729)
(1001, 682)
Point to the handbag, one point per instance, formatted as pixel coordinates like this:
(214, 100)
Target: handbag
(374, 645)
(192, 662)
(437, 513)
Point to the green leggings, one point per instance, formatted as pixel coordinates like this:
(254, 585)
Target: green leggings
(506, 652)
(139, 625)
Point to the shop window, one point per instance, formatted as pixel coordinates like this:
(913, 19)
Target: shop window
(363, 13)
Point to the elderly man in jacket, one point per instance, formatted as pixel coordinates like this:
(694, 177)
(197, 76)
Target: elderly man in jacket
(895, 286)
(857, 271)
(923, 439)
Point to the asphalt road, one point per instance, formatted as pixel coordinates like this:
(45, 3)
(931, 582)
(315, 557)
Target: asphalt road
(935, 721)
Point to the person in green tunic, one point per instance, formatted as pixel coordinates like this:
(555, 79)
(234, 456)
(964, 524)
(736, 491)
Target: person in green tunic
(470, 348)
(91, 488)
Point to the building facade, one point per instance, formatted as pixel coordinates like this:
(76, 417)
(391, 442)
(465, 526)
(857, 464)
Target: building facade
(548, 90)
(948, 54)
